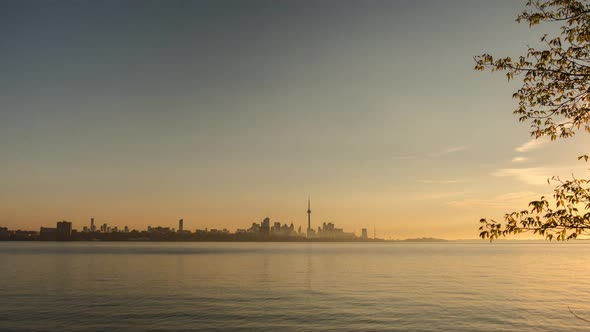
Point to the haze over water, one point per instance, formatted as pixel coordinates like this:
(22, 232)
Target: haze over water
(293, 287)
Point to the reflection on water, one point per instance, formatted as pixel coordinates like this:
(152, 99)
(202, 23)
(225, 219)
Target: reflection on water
(293, 286)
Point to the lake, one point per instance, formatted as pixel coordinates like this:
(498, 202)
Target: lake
(120, 286)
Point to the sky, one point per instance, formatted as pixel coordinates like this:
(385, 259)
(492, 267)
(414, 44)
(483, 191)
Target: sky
(222, 113)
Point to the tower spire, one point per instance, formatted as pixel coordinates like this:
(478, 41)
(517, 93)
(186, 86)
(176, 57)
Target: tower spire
(308, 217)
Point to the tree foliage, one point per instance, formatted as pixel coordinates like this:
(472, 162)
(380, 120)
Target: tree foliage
(555, 100)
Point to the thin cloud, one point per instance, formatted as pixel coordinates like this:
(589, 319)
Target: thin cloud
(507, 200)
(519, 159)
(536, 143)
(539, 175)
(446, 151)
(531, 175)
(402, 157)
(450, 150)
(532, 145)
(436, 196)
(441, 181)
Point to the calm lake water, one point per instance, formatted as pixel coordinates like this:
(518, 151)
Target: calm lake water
(293, 287)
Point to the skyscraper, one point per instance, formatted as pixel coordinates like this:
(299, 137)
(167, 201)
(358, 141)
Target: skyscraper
(180, 225)
(63, 230)
(265, 226)
(92, 227)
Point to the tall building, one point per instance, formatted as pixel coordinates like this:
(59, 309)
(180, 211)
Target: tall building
(92, 227)
(265, 226)
(180, 225)
(364, 235)
(309, 231)
(255, 228)
(63, 230)
(276, 228)
(4, 234)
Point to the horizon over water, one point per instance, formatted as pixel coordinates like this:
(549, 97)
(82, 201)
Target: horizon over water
(117, 286)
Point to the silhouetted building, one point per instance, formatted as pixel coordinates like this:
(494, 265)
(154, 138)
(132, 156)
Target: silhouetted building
(92, 227)
(364, 235)
(4, 234)
(255, 228)
(219, 231)
(48, 234)
(329, 231)
(180, 225)
(64, 231)
(160, 230)
(265, 226)
(276, 228)
(23, 235)
(288, 230)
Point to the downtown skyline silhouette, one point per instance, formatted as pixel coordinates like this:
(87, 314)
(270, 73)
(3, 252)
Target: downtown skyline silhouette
(297, 166)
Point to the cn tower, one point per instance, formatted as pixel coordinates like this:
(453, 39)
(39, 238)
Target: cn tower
(308, 217)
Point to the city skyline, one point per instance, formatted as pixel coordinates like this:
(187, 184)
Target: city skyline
(309, 165)
(218, 112)
(326, 230)
(263, 231)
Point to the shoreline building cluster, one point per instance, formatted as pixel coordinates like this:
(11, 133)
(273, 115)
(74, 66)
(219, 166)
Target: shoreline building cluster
(263, 231)
(61, 232)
